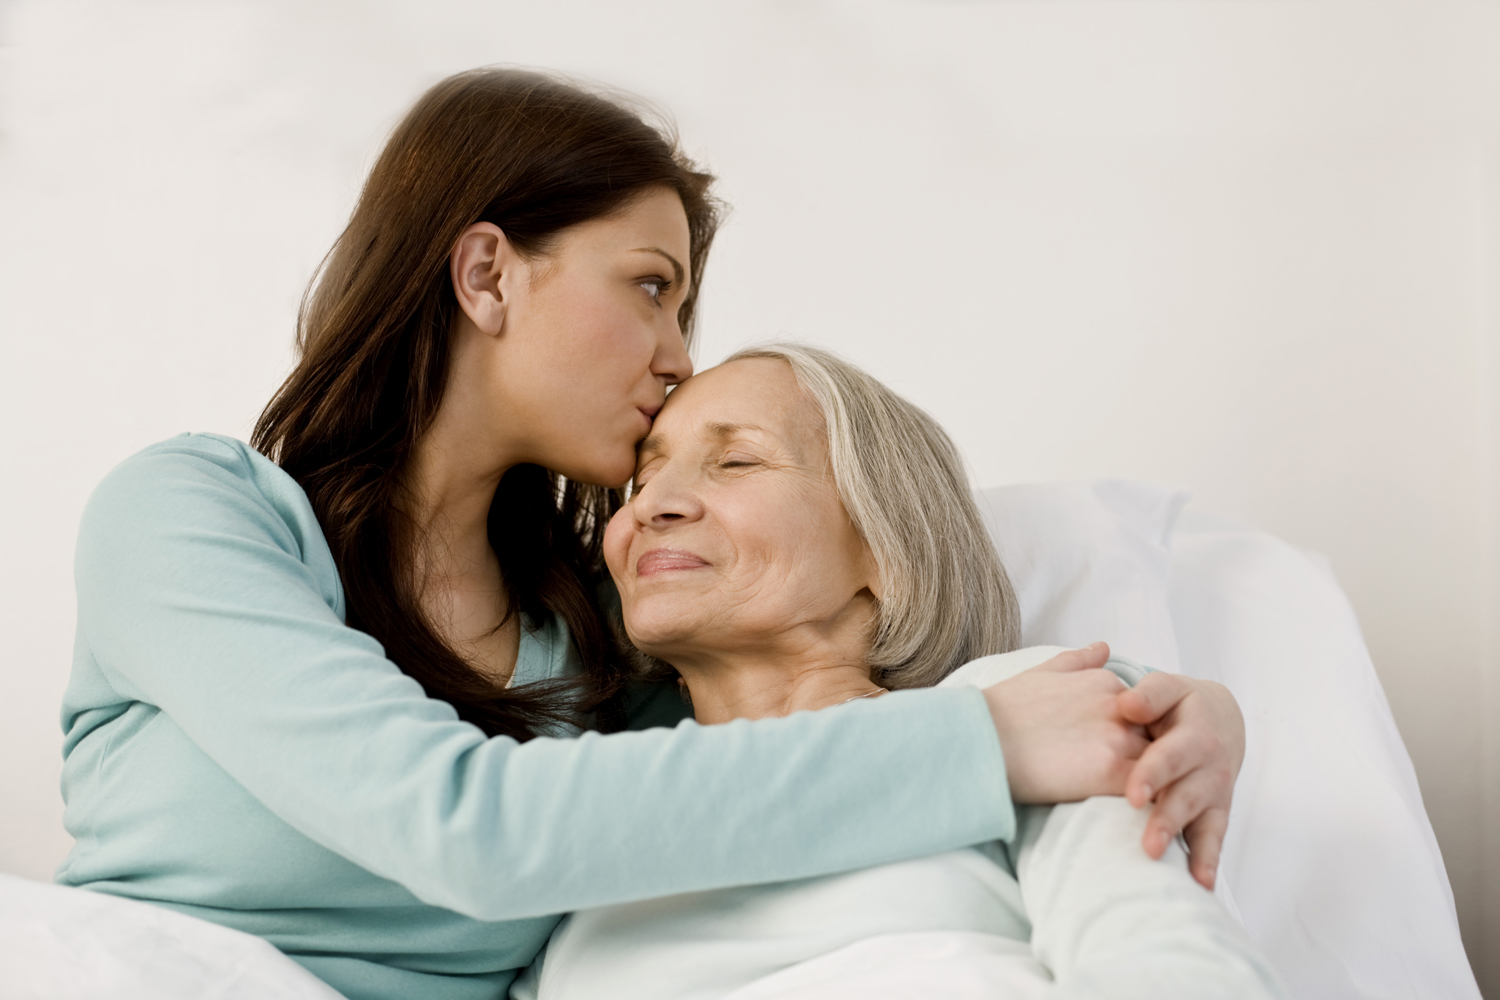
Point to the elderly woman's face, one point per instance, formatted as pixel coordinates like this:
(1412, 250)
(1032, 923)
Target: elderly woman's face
(735, 536)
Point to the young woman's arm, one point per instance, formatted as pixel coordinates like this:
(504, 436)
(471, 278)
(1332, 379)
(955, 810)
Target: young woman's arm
(206, 589)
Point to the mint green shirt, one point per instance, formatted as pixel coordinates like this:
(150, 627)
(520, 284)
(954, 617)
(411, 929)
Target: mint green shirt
(236, 752)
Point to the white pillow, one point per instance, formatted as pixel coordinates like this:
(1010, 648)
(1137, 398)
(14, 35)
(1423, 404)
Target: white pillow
(1330, 860)
(1090, 561)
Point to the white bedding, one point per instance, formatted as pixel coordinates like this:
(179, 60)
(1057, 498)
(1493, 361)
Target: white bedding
(1330, 862)
(59, 943)
(1157, 955)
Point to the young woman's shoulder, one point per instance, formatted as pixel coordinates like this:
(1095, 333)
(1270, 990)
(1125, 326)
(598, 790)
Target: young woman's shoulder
(184, 464)
(209, 493)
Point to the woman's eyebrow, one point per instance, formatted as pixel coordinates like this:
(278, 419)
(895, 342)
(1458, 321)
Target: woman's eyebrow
(719, 429)
(724, 430)
(677, 270)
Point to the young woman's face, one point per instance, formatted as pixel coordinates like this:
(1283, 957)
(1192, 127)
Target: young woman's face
(736, 537)
(591, 339)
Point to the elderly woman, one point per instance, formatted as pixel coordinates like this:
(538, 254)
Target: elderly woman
(802, 538)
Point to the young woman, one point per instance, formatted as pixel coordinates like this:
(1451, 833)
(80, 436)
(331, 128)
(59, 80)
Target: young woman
(325, 689)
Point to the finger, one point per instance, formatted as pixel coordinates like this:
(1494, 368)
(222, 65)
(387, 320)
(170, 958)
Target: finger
(1152, 698)
(1134, 743)
(1114, 756)
(1167, 760)
(1180, 805)
(1205, 839)
(1090, 657)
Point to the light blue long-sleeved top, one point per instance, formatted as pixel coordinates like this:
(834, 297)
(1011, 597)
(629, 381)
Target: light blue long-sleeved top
(235, 751)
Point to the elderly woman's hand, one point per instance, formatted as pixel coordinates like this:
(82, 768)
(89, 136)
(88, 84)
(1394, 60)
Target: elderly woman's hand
(1198, 743)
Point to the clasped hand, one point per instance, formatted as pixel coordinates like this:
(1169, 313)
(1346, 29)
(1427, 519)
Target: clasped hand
(1069, 730)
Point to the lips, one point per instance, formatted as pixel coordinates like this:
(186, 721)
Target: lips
(666, 561)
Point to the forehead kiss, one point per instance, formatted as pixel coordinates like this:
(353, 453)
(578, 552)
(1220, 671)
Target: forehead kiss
(735, 508)
(750, 401)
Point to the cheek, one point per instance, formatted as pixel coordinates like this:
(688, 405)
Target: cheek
(617, 545)
(815, 553)
(599, 326)
(783, 556)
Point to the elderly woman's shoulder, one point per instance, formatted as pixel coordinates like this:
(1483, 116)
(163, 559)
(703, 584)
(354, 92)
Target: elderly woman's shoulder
(997, 667)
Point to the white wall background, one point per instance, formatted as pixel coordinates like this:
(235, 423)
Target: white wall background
(1252, 248)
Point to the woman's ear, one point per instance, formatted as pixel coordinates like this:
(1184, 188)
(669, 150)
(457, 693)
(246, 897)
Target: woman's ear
(484, 266)
(874, 582)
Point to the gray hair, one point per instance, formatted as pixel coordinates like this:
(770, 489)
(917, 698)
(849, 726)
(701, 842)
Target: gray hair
(946, 599)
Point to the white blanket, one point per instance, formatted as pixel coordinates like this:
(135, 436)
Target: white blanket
(1099, 918)
(59, 943)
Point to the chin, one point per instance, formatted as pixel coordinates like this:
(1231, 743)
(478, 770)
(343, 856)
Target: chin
(609, 474)
(656, 635)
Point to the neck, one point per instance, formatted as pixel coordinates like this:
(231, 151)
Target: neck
(454, 568)
(448, 502)
(454, 470)
(759, 684)
(448, 488)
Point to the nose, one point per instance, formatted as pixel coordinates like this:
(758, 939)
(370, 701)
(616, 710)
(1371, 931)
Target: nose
(672, 363)
(666, 501)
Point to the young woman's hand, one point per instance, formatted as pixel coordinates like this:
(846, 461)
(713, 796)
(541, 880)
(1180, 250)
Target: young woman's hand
(1198, 743)
(1068, 731)
(1062, 730)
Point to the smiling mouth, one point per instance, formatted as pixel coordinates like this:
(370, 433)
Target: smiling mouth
(666, 561)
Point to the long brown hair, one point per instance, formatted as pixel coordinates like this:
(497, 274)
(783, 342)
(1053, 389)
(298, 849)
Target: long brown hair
(533, 155)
